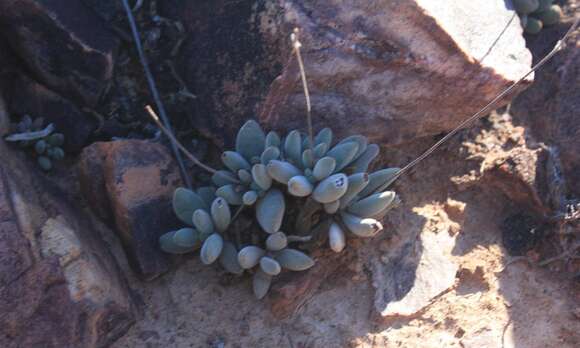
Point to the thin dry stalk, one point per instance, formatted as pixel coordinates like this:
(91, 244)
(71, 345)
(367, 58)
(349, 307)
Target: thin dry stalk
(296, 45)
(188, 154)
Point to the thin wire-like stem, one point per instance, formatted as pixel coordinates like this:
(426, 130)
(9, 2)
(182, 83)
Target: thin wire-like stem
(296, 45)
(187, 154)
(155, 93)
(488, 107)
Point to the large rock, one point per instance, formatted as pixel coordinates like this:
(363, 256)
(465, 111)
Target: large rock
(392, 70)
(130, 184)
(60, 286)
(65, 45)
(549, 108)
(409, 278)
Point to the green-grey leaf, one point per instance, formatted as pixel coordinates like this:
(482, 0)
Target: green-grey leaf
(336, 238)
(203, 222)
(356, 183)
(323, 168)
(261, 177)
(234, 161)
(185, 202)
(245, 176)
(332, 207)
(186, 238)
(379, 181)
(361, 164)
(250, 197)
(221, 214)
(229, 259)
(373, 204)
(231, 194)
(270, 266)
(324, 137)
(362, 142)
(249, 256)
(168, 245)
(31, 135)
(251, 140)
(223, 177)
(282, 171)
(362, 227)
(293, 148)
(294, 260)
(273, 139)
(270, 211)
(308, 158)
(261, 284)
(270, 153)
(211, 248)
(331, 188)
(320, 150)
(299, 186)
(207, 194)
(343, 154)
(276, 241)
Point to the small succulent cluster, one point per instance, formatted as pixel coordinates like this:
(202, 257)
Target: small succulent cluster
(314, 188)
(536, 14)
(45, 145)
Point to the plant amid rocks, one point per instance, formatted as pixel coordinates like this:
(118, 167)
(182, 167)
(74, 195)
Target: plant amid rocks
(537, 14)
(44, 144)
(303, 191)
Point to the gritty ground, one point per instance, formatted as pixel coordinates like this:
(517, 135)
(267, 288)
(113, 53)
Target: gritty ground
(497, 300)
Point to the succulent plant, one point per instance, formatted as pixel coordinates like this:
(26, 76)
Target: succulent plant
(526, 6)
(45, 145)
(550, 15)
(316, 188)
(537, 14)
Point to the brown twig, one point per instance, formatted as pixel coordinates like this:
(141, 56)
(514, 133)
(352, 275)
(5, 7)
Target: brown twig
(296, 45)
(182, 148)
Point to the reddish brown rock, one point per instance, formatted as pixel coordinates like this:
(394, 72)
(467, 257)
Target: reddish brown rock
(292, 289)
(549, 108)
(66, 46)
(15, 255)
(92, 179)
(392, 70)
(60, 285)
(132, 182)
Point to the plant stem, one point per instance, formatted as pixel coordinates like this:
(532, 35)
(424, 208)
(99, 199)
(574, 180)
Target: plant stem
(296, 48)
(182, 148)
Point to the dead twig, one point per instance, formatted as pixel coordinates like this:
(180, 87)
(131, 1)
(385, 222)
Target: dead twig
(182, 148)
(296, 45)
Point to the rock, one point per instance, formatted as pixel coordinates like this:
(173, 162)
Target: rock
(392, 70)
(92, 180)
(403, 279)
(59, 284)
(291, 290)
(26, 96)
(66, 46)
(15, 254)
(549, 108)
(522, 175)
(133, 182)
